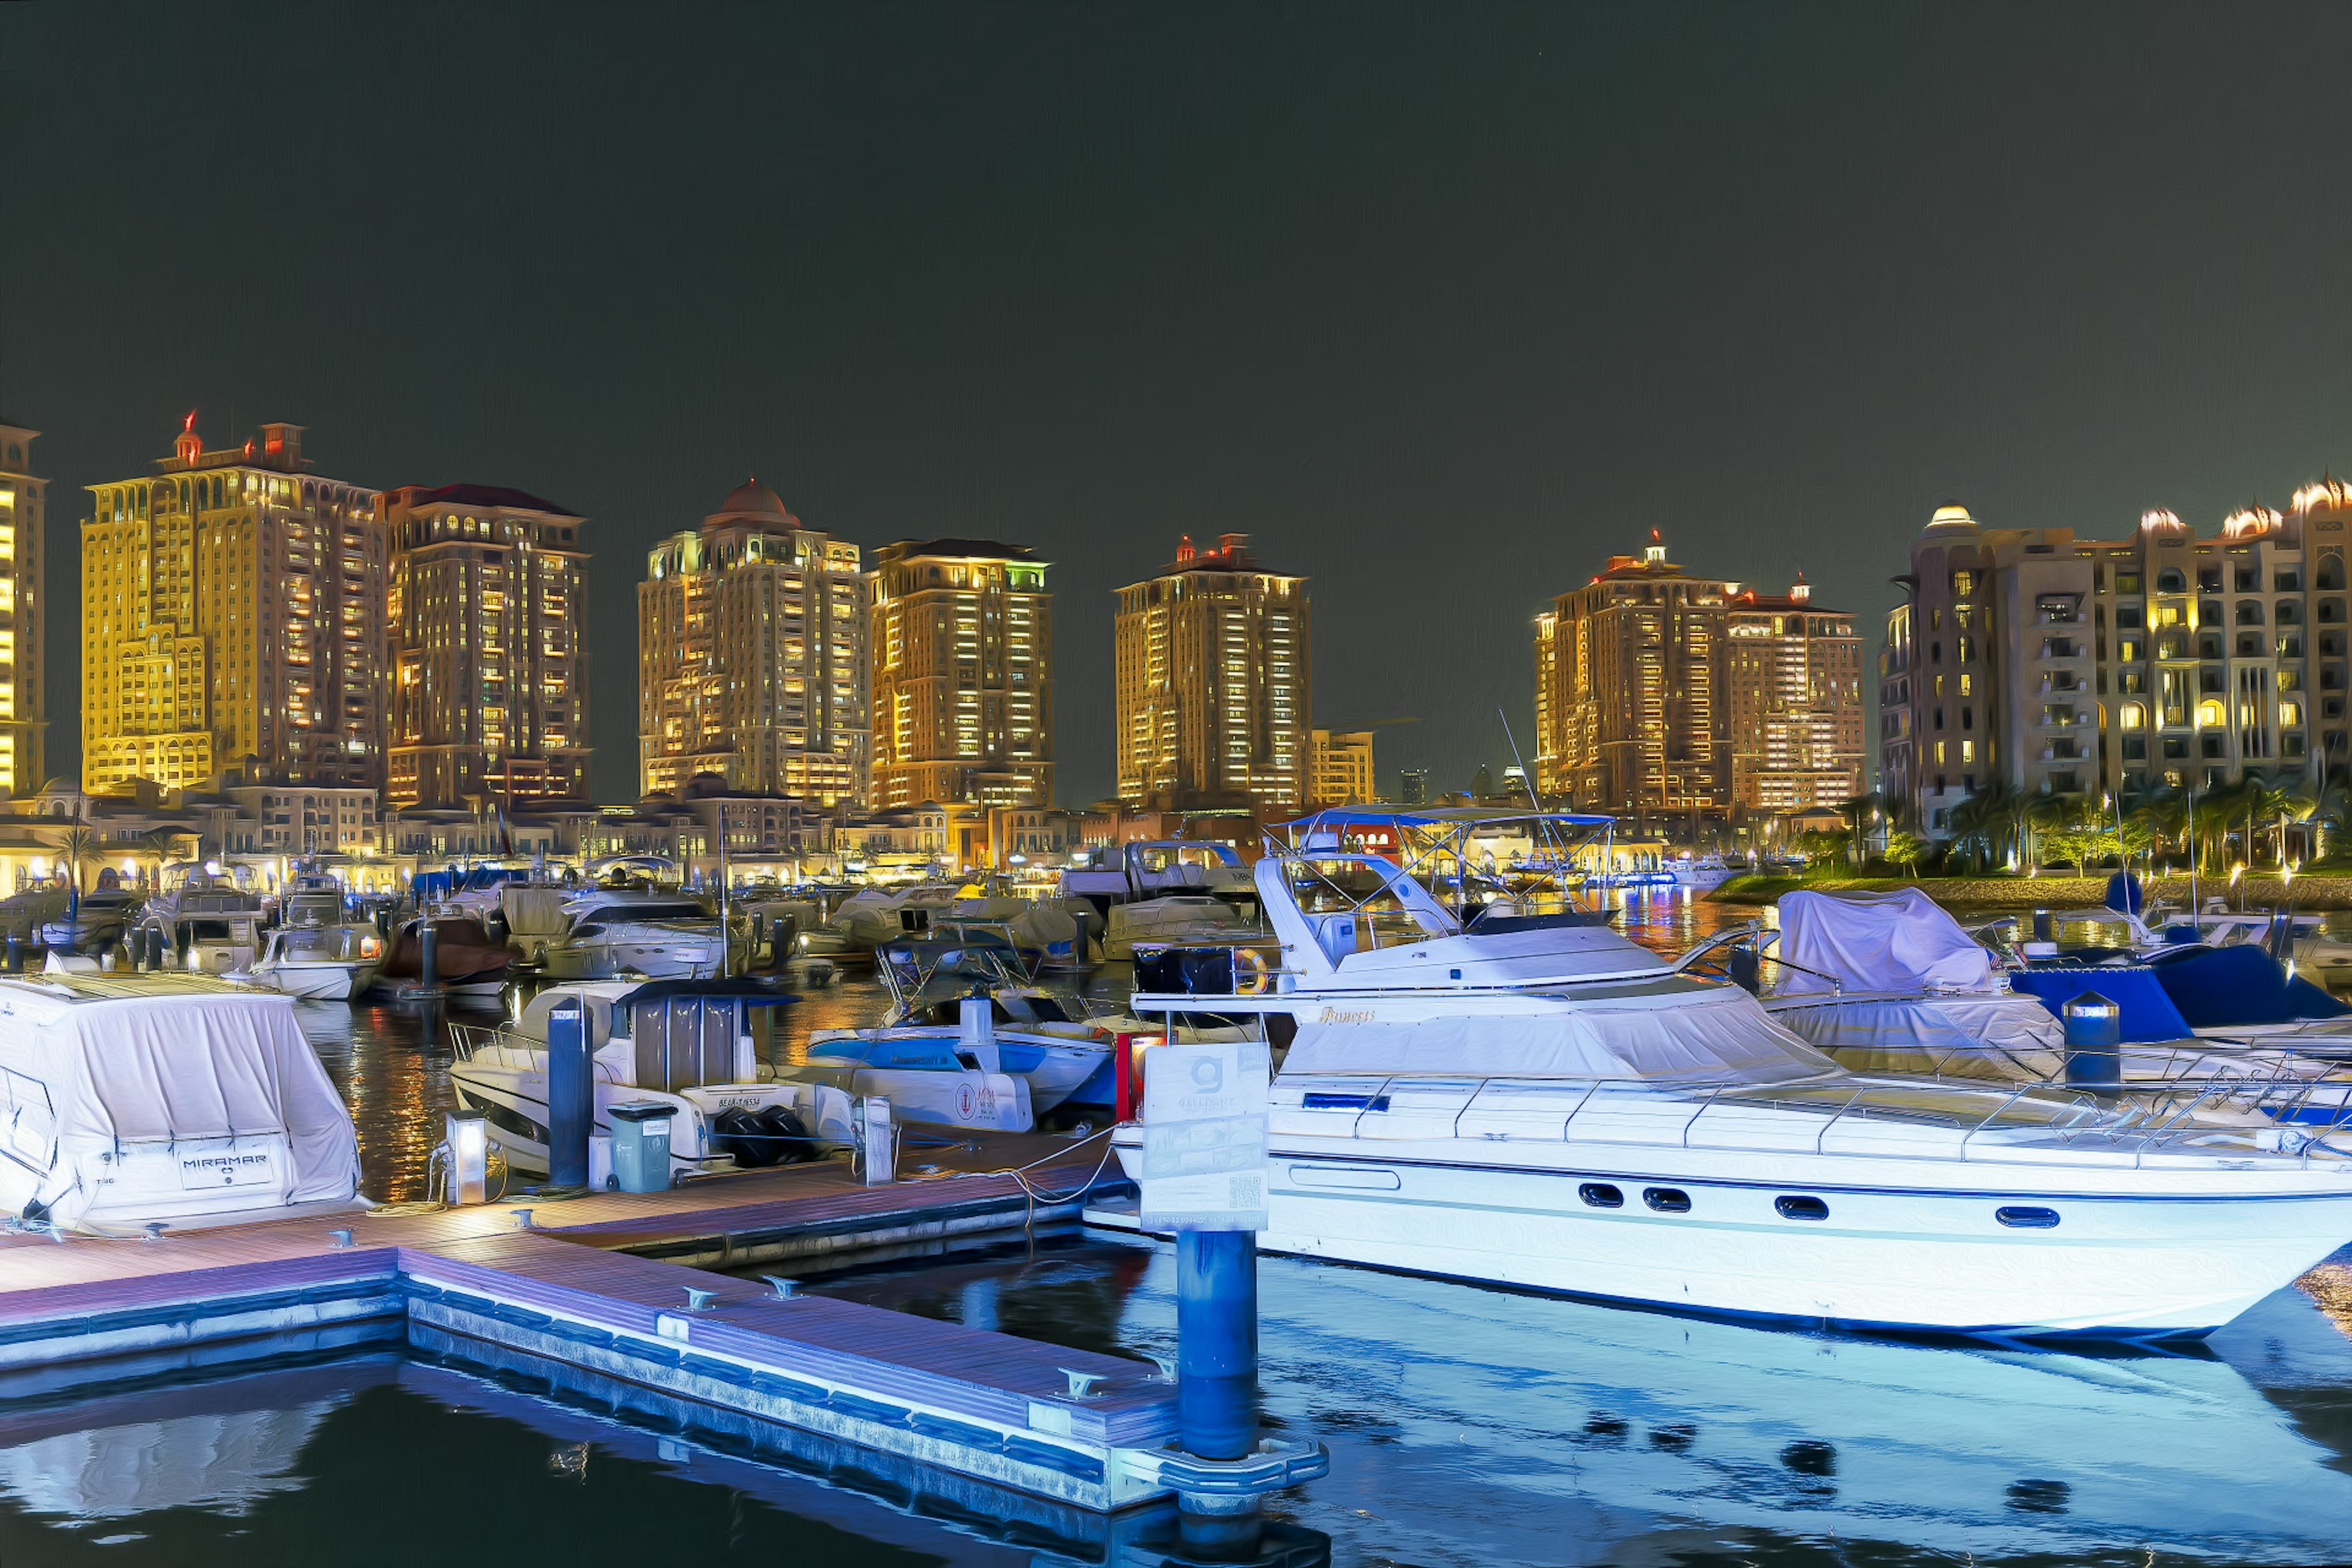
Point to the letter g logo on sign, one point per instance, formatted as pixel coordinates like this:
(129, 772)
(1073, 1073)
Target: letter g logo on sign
(1208, 1075)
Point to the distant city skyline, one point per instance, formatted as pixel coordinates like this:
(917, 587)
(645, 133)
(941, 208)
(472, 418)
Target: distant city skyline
(1427, 304)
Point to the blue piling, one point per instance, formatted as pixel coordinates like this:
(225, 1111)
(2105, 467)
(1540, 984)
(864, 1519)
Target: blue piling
(1216, 1343)
(571, 1098)
(2095, 1032)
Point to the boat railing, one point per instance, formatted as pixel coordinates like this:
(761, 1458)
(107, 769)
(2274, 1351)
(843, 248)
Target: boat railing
(467, 1041)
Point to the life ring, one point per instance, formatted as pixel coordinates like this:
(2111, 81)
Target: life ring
(1259, 979)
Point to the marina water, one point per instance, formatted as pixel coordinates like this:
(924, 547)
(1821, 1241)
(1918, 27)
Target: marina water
(1466, 1425)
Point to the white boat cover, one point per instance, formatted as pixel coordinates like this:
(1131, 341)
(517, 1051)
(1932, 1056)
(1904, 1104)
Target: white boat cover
(1899, 941)
(185, 1067)
(1991, 1035)
(1723, 1036)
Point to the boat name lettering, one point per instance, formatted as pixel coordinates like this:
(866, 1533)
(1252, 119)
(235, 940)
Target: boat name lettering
(1345, 1015)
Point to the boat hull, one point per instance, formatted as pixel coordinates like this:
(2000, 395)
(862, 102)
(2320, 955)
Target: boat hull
(325, 981)
(1882, 1257)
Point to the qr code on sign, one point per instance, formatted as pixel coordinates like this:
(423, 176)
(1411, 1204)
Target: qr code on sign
(1247, 1191)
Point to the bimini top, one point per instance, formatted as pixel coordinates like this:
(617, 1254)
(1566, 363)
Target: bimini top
(1438, 816)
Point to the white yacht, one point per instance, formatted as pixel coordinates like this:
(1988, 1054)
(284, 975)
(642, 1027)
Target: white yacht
(613, 931)
(98, 919)
(318, 963)
(210, 924)
(136, 1100)
(1553, 1107)
(689, 1044)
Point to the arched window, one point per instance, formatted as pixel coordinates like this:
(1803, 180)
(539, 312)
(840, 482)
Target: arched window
(2170, 581)
(2134, 716)
(2250, 612)
(2286, 611)
(2210, 713)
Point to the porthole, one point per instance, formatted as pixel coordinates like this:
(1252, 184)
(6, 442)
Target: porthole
(1602, 1196)
(1802, 1209)
(2027, 1219)
(1666, 1200)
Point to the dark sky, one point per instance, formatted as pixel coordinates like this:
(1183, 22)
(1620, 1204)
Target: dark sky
(1439, 304)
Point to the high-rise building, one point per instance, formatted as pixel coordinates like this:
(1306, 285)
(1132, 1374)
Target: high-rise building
(1212, 683)
(2027, 660)
(751, 656)
(961, 641)
(1341, 770)
(1629, 670)
(232, 621)
(1793, 698)
(489, 667)
(1663, 693)
(1413, 786)
(22, 498)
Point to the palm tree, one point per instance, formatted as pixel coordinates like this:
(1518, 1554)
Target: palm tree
(78, 846)
(160, 845)
(1857, 812)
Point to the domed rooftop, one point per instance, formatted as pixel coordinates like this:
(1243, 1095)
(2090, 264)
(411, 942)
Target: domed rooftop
(752, 501)
(1951, 518)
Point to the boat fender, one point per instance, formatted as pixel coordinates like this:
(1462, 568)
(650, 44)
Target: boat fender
(1252, 975)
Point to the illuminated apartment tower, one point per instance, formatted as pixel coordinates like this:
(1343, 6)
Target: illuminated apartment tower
(751, 656)
(1792, 680)
(233, 619)
(1339, 770)
(1628, 672)
(21, 498)
(2030, 662)
(489, 674)
(1212, 683)
(960, 634)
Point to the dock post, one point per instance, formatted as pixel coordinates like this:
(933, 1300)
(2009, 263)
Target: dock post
(1078, 939)
(783, 929)
(2095, 1032)
(1216, 1343)
(428, 949)
(16, 953)
(571, 1098)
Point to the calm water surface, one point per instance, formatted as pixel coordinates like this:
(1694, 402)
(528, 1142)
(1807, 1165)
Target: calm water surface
(1466, 1425)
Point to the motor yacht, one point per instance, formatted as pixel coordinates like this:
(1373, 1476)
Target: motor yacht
(208, 924)
(96, 921)
(614, 932)
(318, 963)
(689, 1044)
(313, 899)
(135, 1100)
(23, 914)
(1557, 1108)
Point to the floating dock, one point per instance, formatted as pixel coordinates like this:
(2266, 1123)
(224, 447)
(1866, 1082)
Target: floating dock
(601, 1299)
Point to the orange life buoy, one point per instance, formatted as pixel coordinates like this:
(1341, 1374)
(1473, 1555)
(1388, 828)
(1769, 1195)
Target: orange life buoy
(1260, 977)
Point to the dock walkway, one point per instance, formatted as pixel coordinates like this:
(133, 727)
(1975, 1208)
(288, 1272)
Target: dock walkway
(597, 1298)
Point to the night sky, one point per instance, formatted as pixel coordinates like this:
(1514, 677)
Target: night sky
(1441, 305)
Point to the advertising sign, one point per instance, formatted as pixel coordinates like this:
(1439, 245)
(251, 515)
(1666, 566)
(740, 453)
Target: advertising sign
(1204, 1109)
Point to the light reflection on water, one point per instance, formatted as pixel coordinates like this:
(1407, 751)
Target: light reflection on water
(1470, 1426)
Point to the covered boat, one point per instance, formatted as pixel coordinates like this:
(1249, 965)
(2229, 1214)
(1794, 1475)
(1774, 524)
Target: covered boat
(130, 1099)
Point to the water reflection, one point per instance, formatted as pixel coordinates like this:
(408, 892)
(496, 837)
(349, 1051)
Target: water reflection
(1471, 1426)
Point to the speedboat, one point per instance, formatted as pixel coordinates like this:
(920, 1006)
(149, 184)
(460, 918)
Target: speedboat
(1706, 873)
(960, 1076)
(688, 1044)
(319, 962)
(136, 1100)
(617, 932)
(1559, 1109)
(467, 960)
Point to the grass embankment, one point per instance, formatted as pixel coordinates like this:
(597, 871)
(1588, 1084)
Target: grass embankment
(2313, 891)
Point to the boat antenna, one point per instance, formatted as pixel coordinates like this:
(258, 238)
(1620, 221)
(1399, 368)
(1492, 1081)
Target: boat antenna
(1528, 783)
